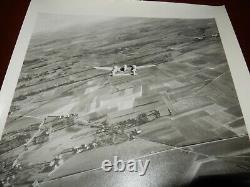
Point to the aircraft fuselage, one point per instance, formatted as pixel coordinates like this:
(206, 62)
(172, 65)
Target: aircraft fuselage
(124, 70)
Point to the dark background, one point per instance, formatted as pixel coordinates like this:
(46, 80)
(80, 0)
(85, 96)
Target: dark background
(12, 13)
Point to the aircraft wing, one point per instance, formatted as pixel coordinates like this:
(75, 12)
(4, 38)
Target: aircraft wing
(104, 68)
(146, 66)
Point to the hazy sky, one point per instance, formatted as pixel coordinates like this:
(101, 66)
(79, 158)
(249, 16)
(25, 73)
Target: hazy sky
(54, 22)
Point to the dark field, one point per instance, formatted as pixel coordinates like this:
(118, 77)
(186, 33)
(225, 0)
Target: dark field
(182, 114)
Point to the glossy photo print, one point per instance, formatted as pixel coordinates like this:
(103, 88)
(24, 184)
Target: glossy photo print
(124, 101)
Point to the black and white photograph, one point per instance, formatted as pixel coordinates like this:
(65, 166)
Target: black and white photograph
(154, 90)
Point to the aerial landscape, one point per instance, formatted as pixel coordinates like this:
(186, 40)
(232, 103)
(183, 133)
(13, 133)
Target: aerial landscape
(148, 88)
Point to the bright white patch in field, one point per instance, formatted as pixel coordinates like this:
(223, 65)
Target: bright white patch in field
(123, 102)
(66, 109)
(91, 89)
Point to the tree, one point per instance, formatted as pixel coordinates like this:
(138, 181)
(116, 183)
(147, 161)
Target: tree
(157, 114)
(142, 118)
